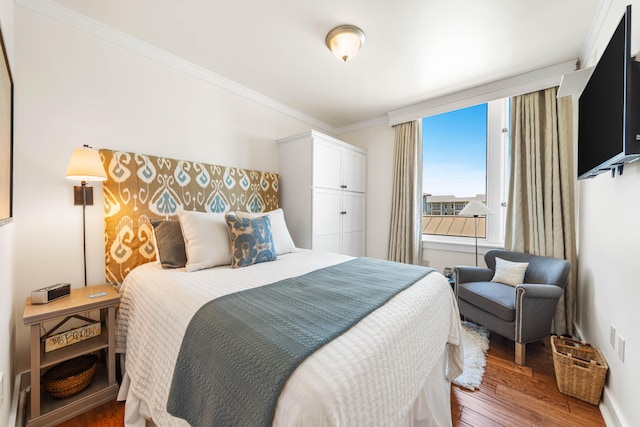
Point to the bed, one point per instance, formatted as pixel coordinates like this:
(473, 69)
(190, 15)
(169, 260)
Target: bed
(393, 367)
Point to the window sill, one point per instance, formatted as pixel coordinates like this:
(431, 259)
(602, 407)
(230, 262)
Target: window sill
(457, 244)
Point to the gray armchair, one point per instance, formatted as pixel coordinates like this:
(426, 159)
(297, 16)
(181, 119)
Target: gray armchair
(522, 313)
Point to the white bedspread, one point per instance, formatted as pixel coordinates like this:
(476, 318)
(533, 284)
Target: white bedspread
(373, 374)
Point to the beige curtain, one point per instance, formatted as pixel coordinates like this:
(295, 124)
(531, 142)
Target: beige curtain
(405, 238)
(540, 213)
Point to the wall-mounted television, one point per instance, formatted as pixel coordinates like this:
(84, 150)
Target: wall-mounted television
(608, 121)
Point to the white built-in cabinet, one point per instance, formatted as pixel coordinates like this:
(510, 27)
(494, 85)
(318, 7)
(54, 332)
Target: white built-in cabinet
(322, 192)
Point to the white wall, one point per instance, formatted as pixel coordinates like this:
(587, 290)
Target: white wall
(72, 89)
(378, 141)
(439, 256)
(608, 291)
(7, 318)
(608, 252)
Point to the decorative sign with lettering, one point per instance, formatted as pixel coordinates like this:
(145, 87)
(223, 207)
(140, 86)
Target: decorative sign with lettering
(72, 336)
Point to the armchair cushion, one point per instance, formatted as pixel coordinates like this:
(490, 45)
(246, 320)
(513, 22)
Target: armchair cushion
(493, 297)
(509, 272)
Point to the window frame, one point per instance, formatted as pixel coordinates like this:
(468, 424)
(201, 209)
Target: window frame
(497, 176)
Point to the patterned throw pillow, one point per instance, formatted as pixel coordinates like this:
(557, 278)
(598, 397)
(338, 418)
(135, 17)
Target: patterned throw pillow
(281, 237)
(251, 240)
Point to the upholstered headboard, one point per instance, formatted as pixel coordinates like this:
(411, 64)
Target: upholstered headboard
(140, 188)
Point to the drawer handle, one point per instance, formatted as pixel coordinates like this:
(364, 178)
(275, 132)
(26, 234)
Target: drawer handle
(343, 213)
(343, 186)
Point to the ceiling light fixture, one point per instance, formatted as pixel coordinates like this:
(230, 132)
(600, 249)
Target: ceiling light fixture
(345, 41)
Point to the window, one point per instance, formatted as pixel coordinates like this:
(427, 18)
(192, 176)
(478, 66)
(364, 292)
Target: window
(465, 157)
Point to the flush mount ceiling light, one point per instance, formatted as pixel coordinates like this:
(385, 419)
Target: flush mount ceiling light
(345, 41)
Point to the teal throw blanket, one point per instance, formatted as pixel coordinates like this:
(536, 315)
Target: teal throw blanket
(240, 349)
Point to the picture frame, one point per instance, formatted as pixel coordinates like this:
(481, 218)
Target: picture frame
(6, 138)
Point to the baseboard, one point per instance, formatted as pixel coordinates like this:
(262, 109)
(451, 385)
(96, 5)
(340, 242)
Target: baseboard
(608, 406)
(608, 411)
(19, 401)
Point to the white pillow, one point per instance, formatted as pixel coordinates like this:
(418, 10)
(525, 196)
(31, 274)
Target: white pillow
(281, 237)
(206, 239)
(509, 273)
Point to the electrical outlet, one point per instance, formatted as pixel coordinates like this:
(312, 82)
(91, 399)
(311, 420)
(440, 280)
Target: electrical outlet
(621, 343)
(612, 336)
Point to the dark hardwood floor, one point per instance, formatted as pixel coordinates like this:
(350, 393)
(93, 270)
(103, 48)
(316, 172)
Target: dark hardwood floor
(509, 396)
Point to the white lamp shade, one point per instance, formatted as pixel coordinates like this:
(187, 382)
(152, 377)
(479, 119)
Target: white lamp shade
(85, 165)
(345, 41)
(475, 208)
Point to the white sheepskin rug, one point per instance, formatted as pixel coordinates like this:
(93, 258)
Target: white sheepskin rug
(475, 342)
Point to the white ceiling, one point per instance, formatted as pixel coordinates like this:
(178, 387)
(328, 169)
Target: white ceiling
(416, 50)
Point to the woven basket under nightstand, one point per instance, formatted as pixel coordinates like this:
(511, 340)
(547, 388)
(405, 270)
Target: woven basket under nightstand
(70, 377)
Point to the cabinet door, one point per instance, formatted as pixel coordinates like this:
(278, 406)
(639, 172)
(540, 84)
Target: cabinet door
(353, 223)
(326, 165)
(354, 171)
(353, 244)
(326, 220)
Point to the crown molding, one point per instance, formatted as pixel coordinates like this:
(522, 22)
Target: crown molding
(517, 85)
(90, 26)
(364, 124)
(588, 54)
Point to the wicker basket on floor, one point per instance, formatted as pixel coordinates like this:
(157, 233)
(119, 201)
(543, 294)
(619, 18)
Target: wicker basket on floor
(580, 369)
(70, 377)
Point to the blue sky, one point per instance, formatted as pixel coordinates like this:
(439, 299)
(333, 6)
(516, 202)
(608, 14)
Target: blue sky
(455, 152)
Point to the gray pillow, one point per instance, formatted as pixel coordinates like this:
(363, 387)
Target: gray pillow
(170, 249)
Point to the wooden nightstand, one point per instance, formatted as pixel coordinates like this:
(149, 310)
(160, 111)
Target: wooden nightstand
(45, 410)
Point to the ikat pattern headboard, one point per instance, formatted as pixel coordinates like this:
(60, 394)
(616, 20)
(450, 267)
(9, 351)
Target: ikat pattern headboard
(140, 188)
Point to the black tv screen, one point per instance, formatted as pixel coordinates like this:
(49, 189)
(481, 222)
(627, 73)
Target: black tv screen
(604, 128)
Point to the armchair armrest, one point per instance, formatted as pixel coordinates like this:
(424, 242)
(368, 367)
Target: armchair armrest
(535, 310)
(466, 274)
(539, 291)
